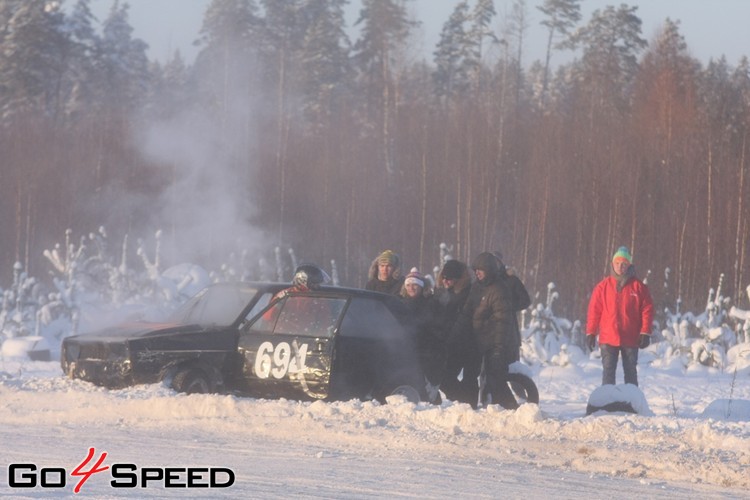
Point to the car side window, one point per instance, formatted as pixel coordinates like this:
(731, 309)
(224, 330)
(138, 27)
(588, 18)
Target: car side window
(301, 315)
(367, 318)
(263, 301)
(267, 320)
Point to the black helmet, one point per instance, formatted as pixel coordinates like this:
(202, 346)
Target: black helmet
(309, 276)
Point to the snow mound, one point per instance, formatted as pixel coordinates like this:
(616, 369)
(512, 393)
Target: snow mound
(621, 397)
(518, 367)
(185, 279)
(34, 347)
(735, 410)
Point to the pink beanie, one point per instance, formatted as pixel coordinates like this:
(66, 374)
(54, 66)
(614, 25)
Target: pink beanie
(414, 277)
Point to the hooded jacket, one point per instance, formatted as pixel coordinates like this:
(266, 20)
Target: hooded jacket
(494, 312)
(392, 286)
(450, 302)
(619, 314)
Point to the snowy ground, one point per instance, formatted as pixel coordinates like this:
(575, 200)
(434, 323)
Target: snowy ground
(695, 443)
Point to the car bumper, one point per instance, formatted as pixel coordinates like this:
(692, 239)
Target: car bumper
(110, 373)
(108, 366)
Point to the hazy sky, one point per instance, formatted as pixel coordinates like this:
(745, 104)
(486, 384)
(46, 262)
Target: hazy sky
(711, 27)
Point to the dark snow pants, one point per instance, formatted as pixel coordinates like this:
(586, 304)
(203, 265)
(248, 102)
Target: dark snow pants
(610, 355)
(462, 356)
(497, 390)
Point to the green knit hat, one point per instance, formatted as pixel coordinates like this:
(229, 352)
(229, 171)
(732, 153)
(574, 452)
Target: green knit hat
(624, 253)
(389, 257)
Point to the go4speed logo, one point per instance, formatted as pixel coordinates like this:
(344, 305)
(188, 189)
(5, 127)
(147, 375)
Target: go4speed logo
(122, 475)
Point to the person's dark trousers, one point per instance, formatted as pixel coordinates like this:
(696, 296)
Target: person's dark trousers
(469, 385)
(465, 390)
(496, 371)
(610, 355)
(462, 356)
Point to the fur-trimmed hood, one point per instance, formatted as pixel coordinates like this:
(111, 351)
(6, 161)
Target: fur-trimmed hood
(373, 273)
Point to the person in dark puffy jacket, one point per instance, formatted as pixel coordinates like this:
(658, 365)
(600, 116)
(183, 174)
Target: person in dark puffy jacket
(521, 299)
(620, 312)
(493, 317)
(462, 363)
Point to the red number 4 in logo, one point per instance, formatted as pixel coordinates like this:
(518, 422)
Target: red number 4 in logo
(86, 474)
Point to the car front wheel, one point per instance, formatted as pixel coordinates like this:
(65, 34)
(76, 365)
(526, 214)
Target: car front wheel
(191, 381)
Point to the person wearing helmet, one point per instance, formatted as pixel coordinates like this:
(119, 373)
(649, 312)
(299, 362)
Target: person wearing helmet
(306, 277)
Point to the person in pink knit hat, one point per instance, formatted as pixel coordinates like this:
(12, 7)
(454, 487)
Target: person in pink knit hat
(416, 293)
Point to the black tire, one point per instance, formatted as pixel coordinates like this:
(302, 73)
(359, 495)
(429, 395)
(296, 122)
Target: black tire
(523, 387)
(412, 395)
(616, 406)
(191, 381)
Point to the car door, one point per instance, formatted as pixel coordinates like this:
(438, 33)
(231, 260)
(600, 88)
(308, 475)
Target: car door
(374, 351)
(286, 350)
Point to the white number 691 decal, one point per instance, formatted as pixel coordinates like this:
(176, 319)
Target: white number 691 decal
(280, 360)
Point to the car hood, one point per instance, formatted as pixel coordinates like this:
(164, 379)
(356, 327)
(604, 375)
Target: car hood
(141, 329)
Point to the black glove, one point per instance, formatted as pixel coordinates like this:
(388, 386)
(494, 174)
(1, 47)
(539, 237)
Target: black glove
(591, 341)
(644, 341)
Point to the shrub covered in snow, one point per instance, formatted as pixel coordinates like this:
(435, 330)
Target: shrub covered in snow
(717, 337)
(92, 287)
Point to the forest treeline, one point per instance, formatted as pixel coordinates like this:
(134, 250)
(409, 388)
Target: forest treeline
(286, 132)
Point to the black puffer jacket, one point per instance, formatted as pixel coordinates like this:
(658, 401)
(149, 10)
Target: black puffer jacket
(494, 308)
(451, 302)
(521, 301)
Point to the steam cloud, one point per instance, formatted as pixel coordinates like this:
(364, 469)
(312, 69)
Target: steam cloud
(205, 212)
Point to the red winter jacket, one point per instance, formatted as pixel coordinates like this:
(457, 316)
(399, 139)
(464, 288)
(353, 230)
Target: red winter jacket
(620, 317)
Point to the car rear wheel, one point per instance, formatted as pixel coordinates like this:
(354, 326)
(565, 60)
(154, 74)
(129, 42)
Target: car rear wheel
(411, 394)
(523, 387)
(191, 381)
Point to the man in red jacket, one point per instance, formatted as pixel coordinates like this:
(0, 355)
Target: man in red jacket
(621, 312)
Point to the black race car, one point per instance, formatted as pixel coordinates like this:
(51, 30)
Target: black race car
(332, 344)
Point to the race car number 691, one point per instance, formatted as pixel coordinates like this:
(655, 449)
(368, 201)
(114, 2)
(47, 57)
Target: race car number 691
(280, 360)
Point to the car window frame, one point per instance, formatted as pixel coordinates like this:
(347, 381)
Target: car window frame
(272, 328)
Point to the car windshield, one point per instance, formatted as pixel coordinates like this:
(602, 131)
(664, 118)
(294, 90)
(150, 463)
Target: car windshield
(219, 304)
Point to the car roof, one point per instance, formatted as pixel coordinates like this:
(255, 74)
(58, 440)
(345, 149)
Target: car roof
(273, 285)
(392, 301)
